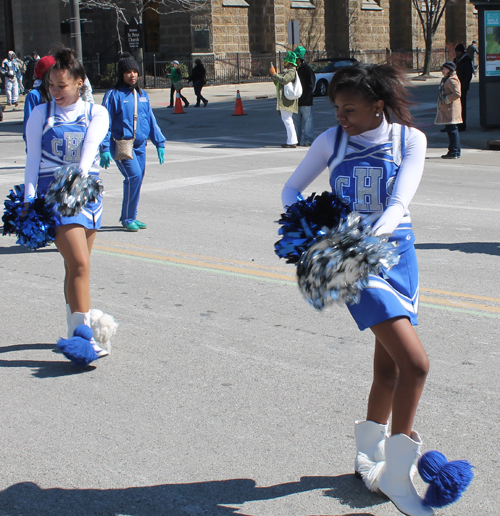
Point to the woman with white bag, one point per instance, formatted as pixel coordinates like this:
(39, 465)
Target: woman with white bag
(288, 91)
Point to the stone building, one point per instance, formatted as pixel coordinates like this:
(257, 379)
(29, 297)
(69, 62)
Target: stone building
(246, 27)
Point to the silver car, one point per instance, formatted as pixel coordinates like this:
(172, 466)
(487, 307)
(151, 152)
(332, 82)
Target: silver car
(324, 70)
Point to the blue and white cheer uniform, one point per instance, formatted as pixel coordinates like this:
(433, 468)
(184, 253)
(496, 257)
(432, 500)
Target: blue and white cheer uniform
(57, 136)
(377, 174)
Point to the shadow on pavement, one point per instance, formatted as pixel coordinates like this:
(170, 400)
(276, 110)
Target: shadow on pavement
(492, 248)
(201, 498)
(41, 368)
(19, 249)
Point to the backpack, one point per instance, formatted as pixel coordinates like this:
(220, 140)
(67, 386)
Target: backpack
(293, 90)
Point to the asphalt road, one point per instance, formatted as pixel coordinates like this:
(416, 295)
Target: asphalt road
(224, 392)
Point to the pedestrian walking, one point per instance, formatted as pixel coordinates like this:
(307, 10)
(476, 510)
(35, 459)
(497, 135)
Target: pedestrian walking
(199, 78)
(176, 84)
(472, 50)
(284, 105)
(87, 95)
(63, 131)
(20, 74)
(465, 70)
(375, 165)
(29, 75)
(132, 122)
(303, 120)
(449, 109)
(10, 71)
(40, 94)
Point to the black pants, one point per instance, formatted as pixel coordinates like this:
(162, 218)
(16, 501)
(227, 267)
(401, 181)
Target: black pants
(172, 93)
(198, 85)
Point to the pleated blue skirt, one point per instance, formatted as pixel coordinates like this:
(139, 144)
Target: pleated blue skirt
(395, 295)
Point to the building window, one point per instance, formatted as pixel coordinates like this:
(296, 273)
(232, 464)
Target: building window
(234, 3)
(302, 4)
(371, 5)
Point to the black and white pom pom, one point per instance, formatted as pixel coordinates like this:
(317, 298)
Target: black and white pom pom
(336, 268)
(71, 190)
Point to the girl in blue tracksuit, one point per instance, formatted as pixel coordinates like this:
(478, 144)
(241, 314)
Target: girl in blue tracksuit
(120, 102)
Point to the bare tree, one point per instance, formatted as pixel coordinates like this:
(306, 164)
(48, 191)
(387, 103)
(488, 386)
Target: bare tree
(430, 13)
(138, 7)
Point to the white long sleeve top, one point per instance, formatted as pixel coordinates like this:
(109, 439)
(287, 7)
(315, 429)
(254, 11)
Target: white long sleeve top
(96, 131)
(407, 179)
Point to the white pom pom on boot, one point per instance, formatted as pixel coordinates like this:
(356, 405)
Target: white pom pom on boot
(103, 327)
(370, 456)
(396, 482)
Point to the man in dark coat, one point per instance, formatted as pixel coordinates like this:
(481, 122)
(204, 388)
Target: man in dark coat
(303, 120)
(465, 70)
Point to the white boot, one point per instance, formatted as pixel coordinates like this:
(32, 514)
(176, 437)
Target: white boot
(68, 320)
(401, 452)
(370, 456)
(78, 318)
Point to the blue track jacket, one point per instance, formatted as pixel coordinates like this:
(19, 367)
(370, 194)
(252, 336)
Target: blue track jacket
(120, 106)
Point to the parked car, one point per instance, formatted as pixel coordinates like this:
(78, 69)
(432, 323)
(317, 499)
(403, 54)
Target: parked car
(324, 70)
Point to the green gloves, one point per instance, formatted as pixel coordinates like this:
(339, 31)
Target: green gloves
(161, 154)
(105, 159)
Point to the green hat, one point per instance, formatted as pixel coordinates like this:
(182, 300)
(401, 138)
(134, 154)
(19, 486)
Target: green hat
(291, 58)
(300, 52)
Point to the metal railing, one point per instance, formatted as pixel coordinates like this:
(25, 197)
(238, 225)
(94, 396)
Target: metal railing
(240, 68)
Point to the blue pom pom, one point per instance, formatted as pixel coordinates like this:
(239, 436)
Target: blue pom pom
(34, 229)
(79, 348)
(83, 331)
(430, 464)
(305, 222)
(447, 480)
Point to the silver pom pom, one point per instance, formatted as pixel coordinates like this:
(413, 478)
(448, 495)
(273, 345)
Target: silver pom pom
(72, 191)
(336, 269)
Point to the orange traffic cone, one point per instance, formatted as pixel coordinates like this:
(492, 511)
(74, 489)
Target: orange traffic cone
(178, 110)
(238, 108)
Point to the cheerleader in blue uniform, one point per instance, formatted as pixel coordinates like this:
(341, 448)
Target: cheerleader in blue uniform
(68, 130)
(375, 166)
(126, 102)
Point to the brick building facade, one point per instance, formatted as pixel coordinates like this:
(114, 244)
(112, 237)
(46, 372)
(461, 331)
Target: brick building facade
(247, 27)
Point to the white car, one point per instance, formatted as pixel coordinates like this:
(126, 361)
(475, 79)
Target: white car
(324, 69)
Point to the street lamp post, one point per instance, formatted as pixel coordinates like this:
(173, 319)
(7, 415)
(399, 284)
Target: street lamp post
(74, 21)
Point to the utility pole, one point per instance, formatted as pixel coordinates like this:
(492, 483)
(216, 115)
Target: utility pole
(74, 21)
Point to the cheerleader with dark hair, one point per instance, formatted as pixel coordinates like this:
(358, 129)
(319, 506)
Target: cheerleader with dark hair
(375, 166)
(63, 131)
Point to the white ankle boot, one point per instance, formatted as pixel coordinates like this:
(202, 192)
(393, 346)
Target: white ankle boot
(401, 452)
(78, 318)
(370, 456)
(68, 321)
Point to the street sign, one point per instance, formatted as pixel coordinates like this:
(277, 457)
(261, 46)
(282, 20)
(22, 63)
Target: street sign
(134, 34)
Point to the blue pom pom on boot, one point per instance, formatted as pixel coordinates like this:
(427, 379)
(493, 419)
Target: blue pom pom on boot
(447, 480)
(79, 348)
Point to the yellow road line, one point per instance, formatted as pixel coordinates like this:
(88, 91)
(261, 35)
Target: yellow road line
(461, 304)
(199, 256)
(195, 263)
(225, 265)
(458, 294)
